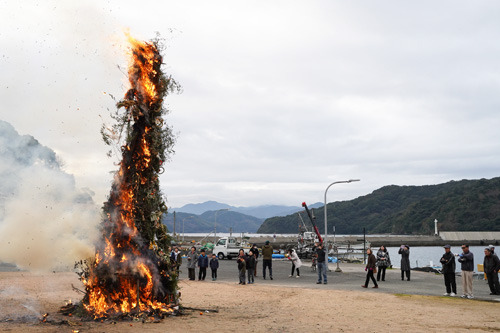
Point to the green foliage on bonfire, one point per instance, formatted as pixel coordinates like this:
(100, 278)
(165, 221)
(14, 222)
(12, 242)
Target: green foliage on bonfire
(132, 116)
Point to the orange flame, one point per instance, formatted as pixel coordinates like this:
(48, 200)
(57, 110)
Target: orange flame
(143, 57)
(133, 282)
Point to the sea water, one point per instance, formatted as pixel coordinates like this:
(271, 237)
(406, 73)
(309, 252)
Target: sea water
(421, 256)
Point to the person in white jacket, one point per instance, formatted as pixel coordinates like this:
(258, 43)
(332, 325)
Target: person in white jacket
(296, 263)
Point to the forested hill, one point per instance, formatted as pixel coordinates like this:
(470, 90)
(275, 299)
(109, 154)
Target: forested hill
(466, 205)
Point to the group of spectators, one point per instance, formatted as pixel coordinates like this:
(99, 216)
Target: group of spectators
(267, 256)
(247, 263)
(201, 261)
(380, 263)
(247, 266)
(491, 266)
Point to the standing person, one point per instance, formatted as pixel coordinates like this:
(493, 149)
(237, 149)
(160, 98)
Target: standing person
(176, 260)
(202, 265)
(466, 258)
(491, 266)
(267, 260)
(321, 263)
(255, 251)
(370, 267)
(383, 261)
(296, 262)
(192, 258)
(404, 251)
(214, 265)
(241, 267)
(448, 263)
(250, 263)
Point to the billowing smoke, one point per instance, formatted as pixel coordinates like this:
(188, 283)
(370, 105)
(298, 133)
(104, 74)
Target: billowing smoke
(45, 222)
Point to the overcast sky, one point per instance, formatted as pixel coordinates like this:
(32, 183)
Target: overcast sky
(280, 98)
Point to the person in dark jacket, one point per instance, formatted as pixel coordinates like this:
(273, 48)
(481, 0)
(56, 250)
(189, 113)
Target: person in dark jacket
(383, 261)
(322, 264)
(214, 266)
(241, 266)
(491, 266)
(404, 251)
(466, 259)
(255, 251)
(448, 263)
(202, 265)
(267, 260)
(370, 267)
(250, 265)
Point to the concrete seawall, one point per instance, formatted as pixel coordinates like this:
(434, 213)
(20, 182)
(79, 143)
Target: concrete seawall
(454, 238)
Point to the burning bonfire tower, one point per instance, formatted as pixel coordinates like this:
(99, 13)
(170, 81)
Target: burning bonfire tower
(131, 273)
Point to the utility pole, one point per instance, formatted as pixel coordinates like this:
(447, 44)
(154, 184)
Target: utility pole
(364, 245)
(215, 223)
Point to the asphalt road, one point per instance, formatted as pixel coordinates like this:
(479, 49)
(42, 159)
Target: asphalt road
(351, 278)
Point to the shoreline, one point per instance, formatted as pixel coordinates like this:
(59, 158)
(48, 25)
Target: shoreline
(376, 240)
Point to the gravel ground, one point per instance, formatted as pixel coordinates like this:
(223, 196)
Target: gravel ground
(282, 305)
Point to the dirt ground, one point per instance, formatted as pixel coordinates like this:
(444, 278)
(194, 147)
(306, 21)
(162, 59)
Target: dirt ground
(252, 308)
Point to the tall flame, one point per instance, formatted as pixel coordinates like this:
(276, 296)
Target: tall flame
(124, 276)
(142, 76)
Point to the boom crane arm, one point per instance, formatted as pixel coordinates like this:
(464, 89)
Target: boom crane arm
(313, 222)
(302, 220)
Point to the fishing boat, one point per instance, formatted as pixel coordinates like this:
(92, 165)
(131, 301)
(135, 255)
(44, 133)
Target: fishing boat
(348, 252)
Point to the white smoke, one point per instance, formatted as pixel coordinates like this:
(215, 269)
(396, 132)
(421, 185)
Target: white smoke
(28, 309)
(45, 222)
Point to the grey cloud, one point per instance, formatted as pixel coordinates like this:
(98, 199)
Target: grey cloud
(290, 94)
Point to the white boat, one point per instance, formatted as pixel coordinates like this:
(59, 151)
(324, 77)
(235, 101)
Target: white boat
(347, 252)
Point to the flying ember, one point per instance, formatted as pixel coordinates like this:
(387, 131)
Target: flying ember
(131, 273)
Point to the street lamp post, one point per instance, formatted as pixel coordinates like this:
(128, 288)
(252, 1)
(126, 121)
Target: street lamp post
(215, 225)
(326, 215)
(336, 252)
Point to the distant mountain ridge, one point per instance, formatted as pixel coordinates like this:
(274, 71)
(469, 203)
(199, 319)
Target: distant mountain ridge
(261, 212)
(465, 205)
(200, 208)
(227, 221)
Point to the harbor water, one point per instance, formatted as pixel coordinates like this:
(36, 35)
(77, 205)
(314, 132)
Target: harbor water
(421, 256)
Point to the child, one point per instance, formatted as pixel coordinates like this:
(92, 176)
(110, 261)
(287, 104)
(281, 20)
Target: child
(176, 260)
(214, 264)
(202, 265)
(241, 267)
